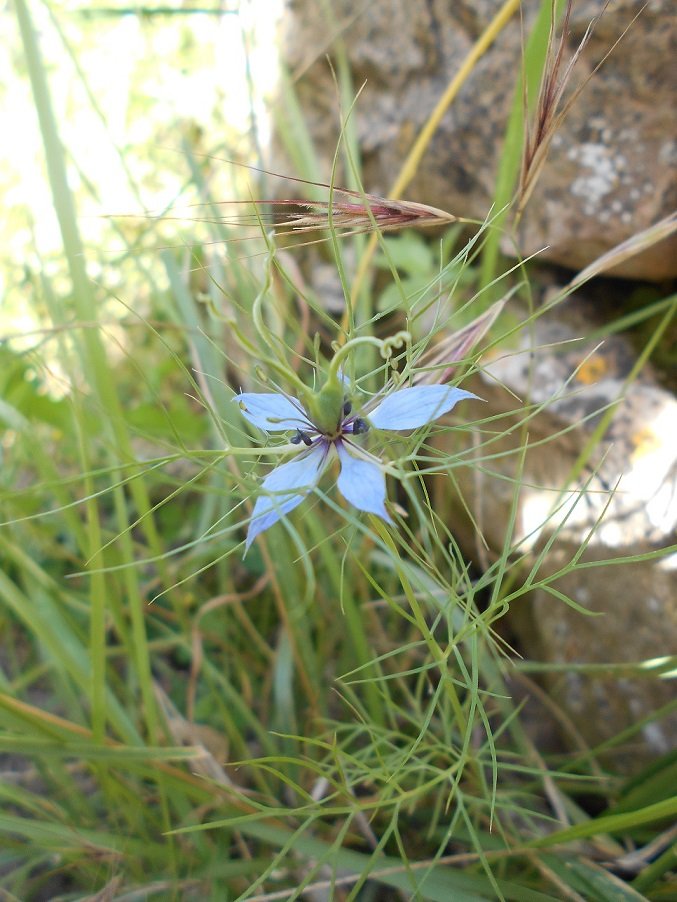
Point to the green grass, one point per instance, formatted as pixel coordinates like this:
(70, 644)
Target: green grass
(332, 711)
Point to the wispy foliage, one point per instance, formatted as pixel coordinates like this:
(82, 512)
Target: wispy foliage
(334, 713)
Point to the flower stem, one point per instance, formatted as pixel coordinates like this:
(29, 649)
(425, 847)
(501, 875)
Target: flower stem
(438, 654)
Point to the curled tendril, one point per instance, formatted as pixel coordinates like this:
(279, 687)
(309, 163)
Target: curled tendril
(394, 343)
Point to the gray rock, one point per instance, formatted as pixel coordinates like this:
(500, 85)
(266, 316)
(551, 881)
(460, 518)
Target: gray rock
(631, 495)
(623, 502)
(612, 169)
(638, 626)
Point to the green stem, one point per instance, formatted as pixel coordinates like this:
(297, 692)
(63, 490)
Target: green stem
(265, 333)
(385, 346)
(437, 653)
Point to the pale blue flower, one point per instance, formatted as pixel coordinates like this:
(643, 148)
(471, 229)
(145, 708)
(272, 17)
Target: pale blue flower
(362, 479)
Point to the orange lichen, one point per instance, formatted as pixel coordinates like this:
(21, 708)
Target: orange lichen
(593, 369)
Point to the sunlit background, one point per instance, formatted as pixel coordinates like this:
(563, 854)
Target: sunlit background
(139, 96)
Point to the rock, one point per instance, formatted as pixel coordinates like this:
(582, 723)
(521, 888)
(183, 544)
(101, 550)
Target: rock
(612, 168)
(623, 502)
(637, 626)
(631, 499)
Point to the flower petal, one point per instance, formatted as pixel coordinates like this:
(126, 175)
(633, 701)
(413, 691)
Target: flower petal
(286, 487)
(272, 411)
(362, 483)
(409, 408)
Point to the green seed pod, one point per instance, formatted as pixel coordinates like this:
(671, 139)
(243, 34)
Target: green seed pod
(326, 406)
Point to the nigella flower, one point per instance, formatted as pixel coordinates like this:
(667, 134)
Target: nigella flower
(322, 435)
